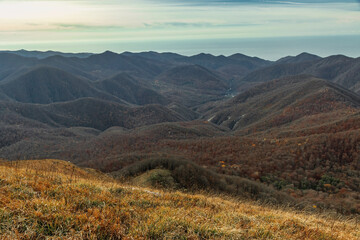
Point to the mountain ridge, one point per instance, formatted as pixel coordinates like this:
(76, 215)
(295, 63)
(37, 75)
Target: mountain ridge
(338, 68)
(46, 84)
(298, 133)
(297, 90)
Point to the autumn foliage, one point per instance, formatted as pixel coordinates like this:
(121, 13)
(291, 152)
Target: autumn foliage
(61, 201)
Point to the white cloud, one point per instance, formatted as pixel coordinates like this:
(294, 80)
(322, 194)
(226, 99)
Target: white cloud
(109, 20)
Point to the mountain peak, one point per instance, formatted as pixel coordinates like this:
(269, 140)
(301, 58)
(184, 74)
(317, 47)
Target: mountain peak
(108, 53)
(203, 55)
(303, 54)
(302, 57)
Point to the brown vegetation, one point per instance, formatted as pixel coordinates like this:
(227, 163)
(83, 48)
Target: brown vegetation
(55, 204)
(297, 134)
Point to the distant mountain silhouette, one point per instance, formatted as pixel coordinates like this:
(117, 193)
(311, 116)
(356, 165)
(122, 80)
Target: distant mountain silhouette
(165, 57)
(42, 55)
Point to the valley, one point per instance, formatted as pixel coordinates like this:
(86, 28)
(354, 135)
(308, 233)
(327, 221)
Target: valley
(292, 125)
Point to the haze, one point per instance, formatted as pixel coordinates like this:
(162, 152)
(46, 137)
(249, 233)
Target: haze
(266, 29)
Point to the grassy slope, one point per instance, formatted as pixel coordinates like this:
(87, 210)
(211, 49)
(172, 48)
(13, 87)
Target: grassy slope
(55, 199)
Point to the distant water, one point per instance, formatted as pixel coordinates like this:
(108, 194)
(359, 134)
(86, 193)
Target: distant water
(268, 48)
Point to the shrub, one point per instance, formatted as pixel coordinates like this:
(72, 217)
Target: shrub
(193, 177)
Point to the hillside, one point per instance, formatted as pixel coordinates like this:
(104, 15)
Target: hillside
(302, 57)
(9, 61)
(276, 71)
(48, 85)
(164, 57)
(282, 101)
(234, 66)
(298, 134)
(338, 69)
(12, 64)
(91, 147)
(93, 66)
(113, 62)
(89, 112)
(59, 200)
(238, 71)
(193, 76)
(190, 85)
(127, 88)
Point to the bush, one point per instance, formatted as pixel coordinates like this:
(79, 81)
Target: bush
(161, 179)
(193, 177)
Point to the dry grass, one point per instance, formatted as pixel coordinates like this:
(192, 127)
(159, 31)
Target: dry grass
(52, 199)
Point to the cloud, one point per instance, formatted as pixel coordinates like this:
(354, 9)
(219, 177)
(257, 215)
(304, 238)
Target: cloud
(110, 20)
(70, 26)
(209, 2)
(179, 24)
(195, 25)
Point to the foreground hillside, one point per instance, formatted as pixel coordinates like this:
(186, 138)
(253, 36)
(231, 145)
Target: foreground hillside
(57, 200)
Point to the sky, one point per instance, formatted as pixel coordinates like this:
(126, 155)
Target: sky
(265, 28)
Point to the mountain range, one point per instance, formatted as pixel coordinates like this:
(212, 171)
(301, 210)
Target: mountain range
(293, 124)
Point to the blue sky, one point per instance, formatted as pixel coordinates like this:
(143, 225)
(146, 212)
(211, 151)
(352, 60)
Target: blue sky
(266, 28)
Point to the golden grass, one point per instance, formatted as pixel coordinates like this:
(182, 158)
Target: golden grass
(52, 199)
